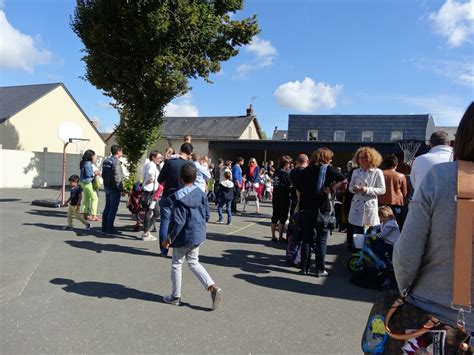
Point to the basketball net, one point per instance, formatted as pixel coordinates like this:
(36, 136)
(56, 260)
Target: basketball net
(409, 149)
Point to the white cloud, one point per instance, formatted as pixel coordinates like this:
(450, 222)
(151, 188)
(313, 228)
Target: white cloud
(264, 54)
(307, 95)
(182, 107)
(18, 50)
(455, 21)
(459, 71)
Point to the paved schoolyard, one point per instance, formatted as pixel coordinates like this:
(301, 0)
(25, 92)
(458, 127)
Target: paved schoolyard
(75, 292)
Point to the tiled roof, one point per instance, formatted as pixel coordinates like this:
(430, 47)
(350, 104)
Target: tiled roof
(219, 127)
(13, 99)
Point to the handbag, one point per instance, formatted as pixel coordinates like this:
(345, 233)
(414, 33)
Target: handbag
(396, 326)
(250, 196)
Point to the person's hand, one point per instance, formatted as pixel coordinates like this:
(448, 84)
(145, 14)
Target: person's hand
(152, 205)
(77, 207)
(97, 173)
(64, 204)
(166, 244)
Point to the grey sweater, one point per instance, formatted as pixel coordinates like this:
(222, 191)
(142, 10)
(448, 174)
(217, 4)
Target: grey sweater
(425, 248)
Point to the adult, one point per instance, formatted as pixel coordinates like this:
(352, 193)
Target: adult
(150, 185)
(395, 188)
(170, 177)
(281, 197)
(425, 250)
(270, 169)
(302, 161)
(238, 181)
(202, 172)
(440, 152)
(367, 182)
(313, 190)
(112, 174)
(252, 178)
(87, 175)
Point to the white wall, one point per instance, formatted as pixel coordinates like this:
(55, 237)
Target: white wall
(20, 168)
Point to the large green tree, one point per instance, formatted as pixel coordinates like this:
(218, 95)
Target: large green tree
(143, 52)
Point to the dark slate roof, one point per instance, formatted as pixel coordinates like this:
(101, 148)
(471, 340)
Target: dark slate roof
(13, 99)
(412, 126)
(218, 127)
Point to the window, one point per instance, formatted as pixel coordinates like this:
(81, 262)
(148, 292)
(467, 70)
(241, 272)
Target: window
(367, 136)
(396, 135)
(312, 135)
(339, 136)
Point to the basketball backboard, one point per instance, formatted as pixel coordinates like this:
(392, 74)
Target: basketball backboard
(68, 130)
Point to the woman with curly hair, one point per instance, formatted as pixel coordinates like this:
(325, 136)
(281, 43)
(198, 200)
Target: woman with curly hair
(366, 184)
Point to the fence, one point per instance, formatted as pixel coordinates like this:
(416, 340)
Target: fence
(20, 168)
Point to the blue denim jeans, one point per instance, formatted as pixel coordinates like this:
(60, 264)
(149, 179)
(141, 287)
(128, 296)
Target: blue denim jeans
(228, 207)
(165, 216)
(309, 226)
(112, 201)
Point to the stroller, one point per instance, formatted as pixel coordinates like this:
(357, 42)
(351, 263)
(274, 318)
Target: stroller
(134, 206)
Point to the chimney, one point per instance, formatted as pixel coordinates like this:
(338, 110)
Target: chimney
(276, 129)
(250, 111)
(95, 123)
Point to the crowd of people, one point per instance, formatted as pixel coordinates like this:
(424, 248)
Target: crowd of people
(372, 197)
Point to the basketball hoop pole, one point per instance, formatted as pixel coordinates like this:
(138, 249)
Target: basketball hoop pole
(63, 183)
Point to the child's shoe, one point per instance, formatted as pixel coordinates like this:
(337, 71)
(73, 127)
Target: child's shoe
(175, 301)
(216, 297)
(229, 223)
(219, 222)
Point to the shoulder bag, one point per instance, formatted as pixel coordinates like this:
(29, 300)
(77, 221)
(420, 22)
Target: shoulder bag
(396, 326)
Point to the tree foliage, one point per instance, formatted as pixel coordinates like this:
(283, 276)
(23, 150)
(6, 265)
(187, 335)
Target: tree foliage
(143, 52)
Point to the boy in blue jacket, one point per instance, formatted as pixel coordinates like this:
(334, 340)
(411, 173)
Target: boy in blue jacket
(187, 231)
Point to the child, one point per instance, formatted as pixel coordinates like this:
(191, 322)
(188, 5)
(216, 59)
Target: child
(269, 189)
(388, 235)
(225, 195)
(74, 201)
(187, 231)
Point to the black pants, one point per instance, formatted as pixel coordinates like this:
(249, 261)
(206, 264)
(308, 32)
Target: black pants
(310, 225)
(237, 193)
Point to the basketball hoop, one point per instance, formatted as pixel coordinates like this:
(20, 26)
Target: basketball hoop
(409, 148)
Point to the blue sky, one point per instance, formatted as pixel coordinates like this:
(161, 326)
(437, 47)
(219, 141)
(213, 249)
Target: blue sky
(312, 56)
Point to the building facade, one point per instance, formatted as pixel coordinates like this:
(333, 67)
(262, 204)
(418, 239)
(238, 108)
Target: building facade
(357, 128)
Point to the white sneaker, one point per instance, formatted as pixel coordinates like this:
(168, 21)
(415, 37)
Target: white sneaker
(148, 238)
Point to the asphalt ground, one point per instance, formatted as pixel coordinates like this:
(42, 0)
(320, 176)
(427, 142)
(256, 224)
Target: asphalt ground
(82, 292)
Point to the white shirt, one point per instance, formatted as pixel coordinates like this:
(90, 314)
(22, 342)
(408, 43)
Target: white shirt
(202, 176)
(423, 163)
(150, 172)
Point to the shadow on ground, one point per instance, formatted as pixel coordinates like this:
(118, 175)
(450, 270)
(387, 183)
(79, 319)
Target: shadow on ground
(113, 291)
(9, 200)
(257, 265)
(99, 248)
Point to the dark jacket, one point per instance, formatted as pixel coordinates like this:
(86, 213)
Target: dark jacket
(112, 174)
(169, 175)
(225, 191)
(189, 214)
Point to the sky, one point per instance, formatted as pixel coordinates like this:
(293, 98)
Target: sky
(311, 57)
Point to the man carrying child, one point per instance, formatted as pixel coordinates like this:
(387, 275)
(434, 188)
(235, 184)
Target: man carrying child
(187, 231)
